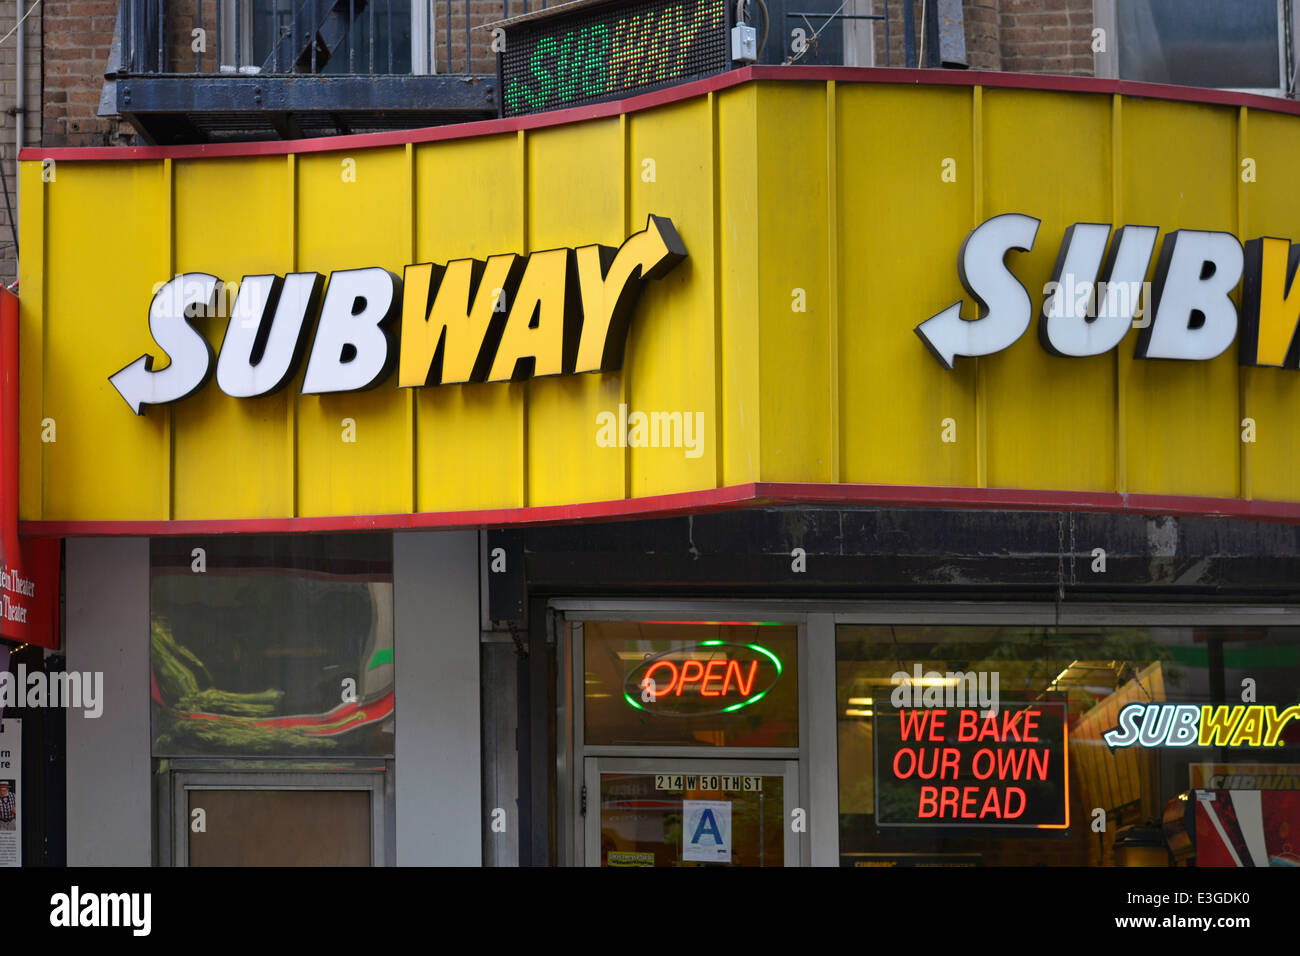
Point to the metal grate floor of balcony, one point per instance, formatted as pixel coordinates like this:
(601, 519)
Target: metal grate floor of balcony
(168, 109)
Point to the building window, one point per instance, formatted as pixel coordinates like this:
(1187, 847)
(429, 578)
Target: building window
(272, 646)
(375, 39)
(927, 776)
(1243, 45)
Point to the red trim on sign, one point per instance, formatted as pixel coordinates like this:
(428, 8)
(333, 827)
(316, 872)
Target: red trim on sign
(36, 561)
(753, 495)
(8, 424)
(645, 101)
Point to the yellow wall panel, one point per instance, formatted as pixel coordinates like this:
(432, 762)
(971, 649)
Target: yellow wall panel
(469, 439)
(576, 196)
(1038, 434)
(1271, 207)
(670, 365)
(105, 252)
(344, 224)
(793, 273)
(1179, 171)
(738, 252)
(234, 454)
(900, 226)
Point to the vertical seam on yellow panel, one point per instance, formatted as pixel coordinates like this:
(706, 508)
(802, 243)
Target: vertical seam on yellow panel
(833, 273)
(715, 203)
(754, 453)
(169, 230)
(522, 139)
(1116, 204)
(291, 173)
(977, 194)
(1245, 458)
(412, 466)
(625, 203)
(44, 332)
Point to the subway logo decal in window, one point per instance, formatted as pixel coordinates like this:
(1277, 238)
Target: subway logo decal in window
(710, 677)
(1200, 725)
(1097, 292)
(554, 312)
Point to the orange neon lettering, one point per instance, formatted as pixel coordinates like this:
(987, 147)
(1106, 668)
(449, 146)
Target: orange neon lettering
(734, 666)
(660, 692)
(710, 676)
(688, 676)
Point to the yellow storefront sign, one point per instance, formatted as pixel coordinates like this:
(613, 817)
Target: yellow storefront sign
(823, 214)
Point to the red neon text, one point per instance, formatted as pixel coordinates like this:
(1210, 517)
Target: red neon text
(971, 803)
(707, 677)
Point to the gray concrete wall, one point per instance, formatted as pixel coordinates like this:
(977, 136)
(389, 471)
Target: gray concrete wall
(439, 783)
(500, 688)
(107, 630)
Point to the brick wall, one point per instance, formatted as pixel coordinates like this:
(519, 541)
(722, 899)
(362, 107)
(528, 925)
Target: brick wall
(983, 34)
(78, 34)
(1046, 36)
(481, 12)
(1019, 36)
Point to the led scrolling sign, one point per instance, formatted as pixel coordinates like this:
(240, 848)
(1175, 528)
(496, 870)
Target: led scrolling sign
(610, 50)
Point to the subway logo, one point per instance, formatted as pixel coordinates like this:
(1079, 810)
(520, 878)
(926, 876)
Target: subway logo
(1200, 725)
(511, 317)
(1098, 291)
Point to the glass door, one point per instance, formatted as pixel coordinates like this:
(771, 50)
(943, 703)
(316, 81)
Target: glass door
(686, 742)
(669, 812)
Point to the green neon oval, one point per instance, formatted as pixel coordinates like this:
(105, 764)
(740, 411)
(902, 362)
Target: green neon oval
(775, 660)
(758, 648)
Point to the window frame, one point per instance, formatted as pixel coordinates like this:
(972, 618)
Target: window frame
(424, 48)
(173, 780)
(1106, 65)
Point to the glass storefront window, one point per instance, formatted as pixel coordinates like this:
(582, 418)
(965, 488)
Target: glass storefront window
(930, 775)
(719, 685)
(272, 646)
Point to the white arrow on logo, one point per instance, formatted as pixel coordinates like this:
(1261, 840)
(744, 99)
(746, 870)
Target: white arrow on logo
(1004, 307)
(190, 354)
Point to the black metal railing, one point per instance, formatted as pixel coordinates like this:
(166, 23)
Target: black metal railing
(285, 37)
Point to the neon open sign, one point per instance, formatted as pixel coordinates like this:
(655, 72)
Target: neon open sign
(709, 677)
(608, 50)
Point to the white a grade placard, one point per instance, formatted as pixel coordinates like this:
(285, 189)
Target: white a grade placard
(11, 779)
(706, 831)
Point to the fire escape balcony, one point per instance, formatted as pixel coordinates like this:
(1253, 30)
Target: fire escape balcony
(208, 71)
